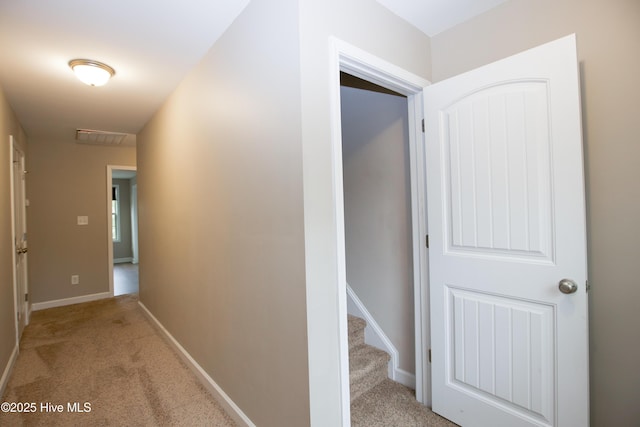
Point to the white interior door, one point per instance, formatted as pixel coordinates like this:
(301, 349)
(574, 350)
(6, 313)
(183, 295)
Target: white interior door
(507, 225)
(20, 237)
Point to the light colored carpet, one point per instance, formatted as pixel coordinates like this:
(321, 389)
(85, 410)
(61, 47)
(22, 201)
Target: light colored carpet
(367, 368)
(377, 401)
(367, 364)
(390, 404)
(107, 354)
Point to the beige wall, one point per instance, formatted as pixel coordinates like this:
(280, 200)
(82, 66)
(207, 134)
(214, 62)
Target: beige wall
(9, 125)
(608, 37)
(368, 26)
(66, 180)
(220, 211)
(377, 212)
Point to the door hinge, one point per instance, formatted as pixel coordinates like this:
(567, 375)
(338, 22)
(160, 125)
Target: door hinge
(26, 297)
(588, 286)
(422, 125)
(426, 240)
(429, 355)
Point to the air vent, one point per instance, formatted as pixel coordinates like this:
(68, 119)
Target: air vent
(100, 137)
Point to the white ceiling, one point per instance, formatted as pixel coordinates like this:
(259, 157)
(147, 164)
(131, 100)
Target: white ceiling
(435, 16)
(151, 44)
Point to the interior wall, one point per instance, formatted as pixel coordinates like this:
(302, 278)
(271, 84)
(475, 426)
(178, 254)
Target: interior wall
(608, 39)
(123, 248)
(377, 212)
(66, 180)
(372, 28)
(221, 216)
(9, 125)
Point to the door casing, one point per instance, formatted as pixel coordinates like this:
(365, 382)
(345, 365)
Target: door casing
(359, 63)
(110, 169)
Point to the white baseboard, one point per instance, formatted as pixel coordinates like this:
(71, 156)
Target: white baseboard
(68, 301)
(216, 391)
(122, 260)
(375, 336)
(405, 378)
(8, 369)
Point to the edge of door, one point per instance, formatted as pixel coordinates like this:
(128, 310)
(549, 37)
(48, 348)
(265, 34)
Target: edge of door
(13, 147)
(16, 309)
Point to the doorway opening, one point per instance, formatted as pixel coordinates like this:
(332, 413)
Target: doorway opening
(358, 63)
(122, 202)
(377, 219)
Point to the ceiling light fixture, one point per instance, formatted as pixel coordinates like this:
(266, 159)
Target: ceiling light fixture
(91, 72)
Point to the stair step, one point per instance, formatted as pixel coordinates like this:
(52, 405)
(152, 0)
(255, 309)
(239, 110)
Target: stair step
(356, 331)
(368, 366)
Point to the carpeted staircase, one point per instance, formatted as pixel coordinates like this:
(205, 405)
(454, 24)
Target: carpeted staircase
(368, 366)
(377, 401)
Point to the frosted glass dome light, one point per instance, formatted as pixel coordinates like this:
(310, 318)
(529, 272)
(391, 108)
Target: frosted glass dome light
(92, 73)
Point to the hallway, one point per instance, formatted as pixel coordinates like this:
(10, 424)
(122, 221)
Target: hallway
(103, 363)
(125, 279)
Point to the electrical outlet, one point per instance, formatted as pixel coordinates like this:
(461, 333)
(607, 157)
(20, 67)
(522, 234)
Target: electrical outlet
(75, 279)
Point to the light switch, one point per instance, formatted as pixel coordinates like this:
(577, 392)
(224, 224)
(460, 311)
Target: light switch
(83, 220)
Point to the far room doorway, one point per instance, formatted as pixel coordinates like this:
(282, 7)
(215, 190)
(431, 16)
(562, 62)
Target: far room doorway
(123, 231)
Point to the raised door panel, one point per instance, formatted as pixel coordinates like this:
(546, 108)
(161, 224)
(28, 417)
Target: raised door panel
(501, 351)
(497, 160)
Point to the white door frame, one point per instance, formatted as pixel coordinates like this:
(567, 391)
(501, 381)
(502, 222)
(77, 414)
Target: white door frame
(19, 306)
(110, 169)
(134, 222)
(359, 63)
